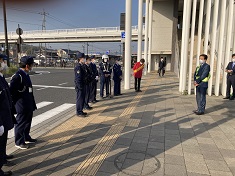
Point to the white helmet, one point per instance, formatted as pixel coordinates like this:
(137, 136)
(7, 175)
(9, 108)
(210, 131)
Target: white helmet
(105, 57)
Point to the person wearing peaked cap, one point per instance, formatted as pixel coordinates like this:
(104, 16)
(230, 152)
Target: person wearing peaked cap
(22, 95)
(6, 118)
(95, 76)
(117, 77)
(79, 81)
(27, 60)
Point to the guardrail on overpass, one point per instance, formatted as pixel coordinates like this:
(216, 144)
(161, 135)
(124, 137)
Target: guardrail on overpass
(101, 34)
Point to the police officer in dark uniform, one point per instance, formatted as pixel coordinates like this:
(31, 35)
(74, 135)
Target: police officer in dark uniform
(95, 77)
(105, 75)
(230, 69)
(22, 95)
(117, 77)
(80, 85)
(6, 117)
(88, 79)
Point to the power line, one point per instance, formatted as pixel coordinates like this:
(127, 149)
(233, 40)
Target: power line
(58, 20)
(20, 22)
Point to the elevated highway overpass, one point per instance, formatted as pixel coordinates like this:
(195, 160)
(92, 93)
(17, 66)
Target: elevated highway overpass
(102, 34)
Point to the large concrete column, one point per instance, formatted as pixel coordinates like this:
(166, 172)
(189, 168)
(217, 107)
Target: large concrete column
(207, 27)
(213, 44)
(199, 40)
(192, 46)
(220, 49)
(128, 31)
(150, 35)
(228, 45)
(146, 35)
(185, 54)
(183, 46)
(140, 30)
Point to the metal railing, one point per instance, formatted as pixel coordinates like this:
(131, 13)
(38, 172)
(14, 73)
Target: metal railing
(77, 30)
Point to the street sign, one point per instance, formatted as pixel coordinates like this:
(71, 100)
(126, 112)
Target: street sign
(123, 35)
(19, 31)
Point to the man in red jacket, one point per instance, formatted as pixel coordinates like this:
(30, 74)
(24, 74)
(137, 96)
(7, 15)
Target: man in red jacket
(138, 70)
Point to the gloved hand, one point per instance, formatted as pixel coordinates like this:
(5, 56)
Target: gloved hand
(96, 78)
(1, 130)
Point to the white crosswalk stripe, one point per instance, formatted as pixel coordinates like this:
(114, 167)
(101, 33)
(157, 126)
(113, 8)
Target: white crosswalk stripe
(46, 115)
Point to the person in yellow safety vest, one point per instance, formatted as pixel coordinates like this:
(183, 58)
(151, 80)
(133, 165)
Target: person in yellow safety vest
(201, 78)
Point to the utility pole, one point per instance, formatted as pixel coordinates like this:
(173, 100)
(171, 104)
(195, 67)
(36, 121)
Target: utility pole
(83, 47)
(5, 30)
(87, 49)
(44, 14)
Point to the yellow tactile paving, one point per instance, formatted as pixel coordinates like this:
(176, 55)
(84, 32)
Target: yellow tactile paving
(68, 127)
(94, 160)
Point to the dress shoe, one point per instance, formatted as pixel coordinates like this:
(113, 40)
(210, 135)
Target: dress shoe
(226, 98)
(83, 114)
(119, 94)
(31, 141)
(231, 98)
(194, 111)
(8, 173)
(9, 164)
(8, 157)
(88, 108)
(199, 113)
(22, 146)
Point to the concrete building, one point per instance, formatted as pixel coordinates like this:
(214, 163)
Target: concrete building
(181, 30)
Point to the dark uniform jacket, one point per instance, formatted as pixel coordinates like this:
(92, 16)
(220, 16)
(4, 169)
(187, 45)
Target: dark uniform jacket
(230, 67)
(104, 68)
(79, 77)
(7, 118)
(22, 92)
(94, 69)
(117, 72)
(162, 64)
(88, 74)
(202, 73)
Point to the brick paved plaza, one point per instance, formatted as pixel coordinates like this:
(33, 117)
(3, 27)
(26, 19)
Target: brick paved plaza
(152, 133)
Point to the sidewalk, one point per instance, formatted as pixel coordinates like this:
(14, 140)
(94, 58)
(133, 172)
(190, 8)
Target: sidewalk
(152, 133)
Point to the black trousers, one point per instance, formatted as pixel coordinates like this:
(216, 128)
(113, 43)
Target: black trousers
(3, 143)
(137, 83)
(22, 128)
(117, 87)
(80, 101)
(161, 71)
(93, 90)
(104, 81)
(87, 95)
(230, 82)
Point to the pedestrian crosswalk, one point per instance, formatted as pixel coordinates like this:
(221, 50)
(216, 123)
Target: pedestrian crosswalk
(46, 115)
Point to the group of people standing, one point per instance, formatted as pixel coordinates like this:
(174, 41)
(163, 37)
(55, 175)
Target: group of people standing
(16, 99)
(87, 76)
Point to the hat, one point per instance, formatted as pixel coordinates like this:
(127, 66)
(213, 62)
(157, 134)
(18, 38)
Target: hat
(117, 59)
(2, 56)
(92, 57)
(27, 60)
(80, 55)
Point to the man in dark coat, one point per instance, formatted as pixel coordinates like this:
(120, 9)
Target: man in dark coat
(201, 78)
(95, 78)
(162, 65)
(230, 69)
(117, 77)
(6, 116)
(105, 75)
(22, 95)
(80, 85)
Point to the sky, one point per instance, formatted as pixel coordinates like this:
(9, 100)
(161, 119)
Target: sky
(69, 14)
